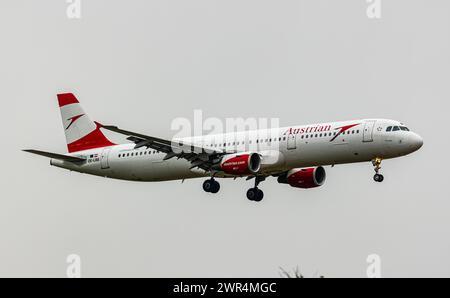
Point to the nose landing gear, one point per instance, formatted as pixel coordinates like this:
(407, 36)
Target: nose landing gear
(377, 164)
(211, 185)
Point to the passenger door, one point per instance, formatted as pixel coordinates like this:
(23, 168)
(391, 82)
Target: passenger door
(368, 130)
(104, 159)
(291, 141)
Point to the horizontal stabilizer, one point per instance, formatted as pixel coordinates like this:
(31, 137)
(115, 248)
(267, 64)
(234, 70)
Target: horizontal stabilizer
(56, 156)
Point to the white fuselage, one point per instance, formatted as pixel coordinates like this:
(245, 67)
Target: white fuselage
(281, 149)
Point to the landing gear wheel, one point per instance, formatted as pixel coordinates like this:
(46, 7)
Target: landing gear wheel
(207, 185)
(211, 186)
(216, 187)
(259, 195)
(251, 194)
(378, 178)
(255, 194)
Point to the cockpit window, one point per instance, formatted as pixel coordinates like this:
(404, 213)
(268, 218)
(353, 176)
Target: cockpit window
(396, 128)
(389, 128)
(404, 128)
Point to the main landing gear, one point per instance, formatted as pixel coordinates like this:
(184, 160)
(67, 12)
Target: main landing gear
(377, 164)
(211, 185)
(255, 194)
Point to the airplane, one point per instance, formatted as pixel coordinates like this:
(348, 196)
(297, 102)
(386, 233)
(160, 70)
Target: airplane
(294, 155)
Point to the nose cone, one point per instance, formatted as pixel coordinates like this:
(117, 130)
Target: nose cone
(415, 142)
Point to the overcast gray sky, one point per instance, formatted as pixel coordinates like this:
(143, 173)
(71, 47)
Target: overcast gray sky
(140, 64)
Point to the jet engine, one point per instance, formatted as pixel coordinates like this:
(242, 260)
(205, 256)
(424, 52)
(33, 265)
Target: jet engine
(304, 178)
(241, 163)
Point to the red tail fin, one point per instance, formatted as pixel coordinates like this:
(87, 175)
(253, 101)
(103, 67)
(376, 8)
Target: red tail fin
(81, 132)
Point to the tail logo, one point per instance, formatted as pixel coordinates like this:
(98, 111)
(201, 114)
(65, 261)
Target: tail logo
(73, 119)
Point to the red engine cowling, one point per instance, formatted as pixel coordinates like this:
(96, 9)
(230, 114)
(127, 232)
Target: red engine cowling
(304, 178)
(241, 164)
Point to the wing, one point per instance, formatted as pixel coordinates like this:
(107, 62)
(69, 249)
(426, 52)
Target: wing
(203, 158)
(56, 155)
